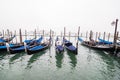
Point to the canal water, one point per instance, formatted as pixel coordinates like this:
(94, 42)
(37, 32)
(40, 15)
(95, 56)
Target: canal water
(89, 64)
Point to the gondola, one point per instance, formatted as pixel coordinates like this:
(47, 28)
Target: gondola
(27, 43)
(58, 46)
(16, 50)
(69, 46)
(97, 46)
(39, 47)
(6, 39)
(4, 47)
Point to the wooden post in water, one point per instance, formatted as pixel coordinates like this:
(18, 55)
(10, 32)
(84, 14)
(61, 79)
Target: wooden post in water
(96, 37)
(91, 35)
(99, 35)
(50, 32)
(77, 39)
(115, 33)
(20, 36)
(108, 36)
(11, 36)
(26, 34)
(69, 35)
(43, 32)
(16, 36)
(3, 33)
(104, 36)
(64, 32)
(35, 34)
(86, 35)
(8, 34)
(11, 33)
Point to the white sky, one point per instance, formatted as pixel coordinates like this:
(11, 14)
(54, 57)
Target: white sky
(95, 15)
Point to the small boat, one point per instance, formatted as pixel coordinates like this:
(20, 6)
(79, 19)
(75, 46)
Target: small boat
(30, 44)
(4, 47)
(58, 45)
(97, 46)
(3, 39)
(69, 46)
(39, 47)
(16, 50)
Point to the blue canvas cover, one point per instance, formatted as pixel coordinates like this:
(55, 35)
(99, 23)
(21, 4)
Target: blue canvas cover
(60, 47)
(104, 41)
(80, 39)
(37, 47)
(72, 47)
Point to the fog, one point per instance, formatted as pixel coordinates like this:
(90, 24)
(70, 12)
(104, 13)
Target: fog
(95, 15)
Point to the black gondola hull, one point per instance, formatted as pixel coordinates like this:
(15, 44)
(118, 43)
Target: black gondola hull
(29, 52)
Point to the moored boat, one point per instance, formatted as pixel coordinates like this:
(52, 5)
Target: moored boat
(3, 39)
(59, 45)
(27, 43)
(69, 46)
(4, 47)
(39, 47)
(94, 45)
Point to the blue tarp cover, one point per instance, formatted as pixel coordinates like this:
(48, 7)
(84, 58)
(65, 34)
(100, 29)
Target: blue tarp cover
(104, 41)
(72, 47)
(37, 47)
(60, 47)
(80, 39)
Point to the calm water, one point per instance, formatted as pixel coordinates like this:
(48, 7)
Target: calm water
(48, 65)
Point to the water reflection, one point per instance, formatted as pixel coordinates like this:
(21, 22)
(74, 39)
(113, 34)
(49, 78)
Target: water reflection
(2, 54)
(50, 56)
(16, 56)
(59, 58)
(34, 57)
(73, 59)
(107, 64)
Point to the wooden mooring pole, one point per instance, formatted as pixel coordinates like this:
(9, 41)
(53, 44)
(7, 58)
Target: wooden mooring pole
(96, 37)
(77, 39)
(86, 35)
(108, 36)
(25, 34)
(64, 31)
(69, 35)
(35, 34)
(99, 35)
(16, 36)
(115, 33)
(43, 32)
(8, 34)
(3, 33)
(20, 36)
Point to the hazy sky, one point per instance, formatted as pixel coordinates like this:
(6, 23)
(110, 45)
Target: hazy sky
(95, 15)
